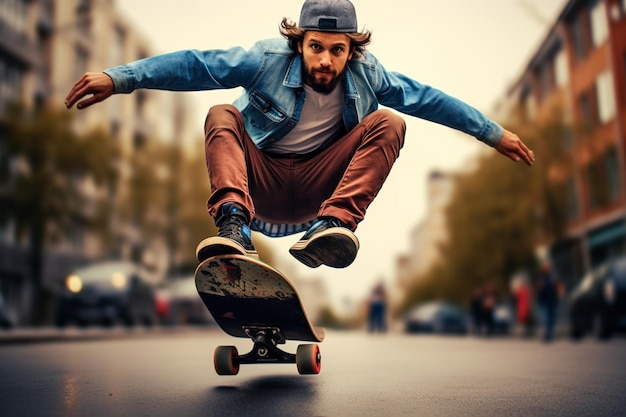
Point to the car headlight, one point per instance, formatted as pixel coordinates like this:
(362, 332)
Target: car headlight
(609, 292)
(74, 283)
(118, 280)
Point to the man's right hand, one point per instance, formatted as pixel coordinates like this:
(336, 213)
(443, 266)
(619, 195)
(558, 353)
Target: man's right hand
(98, 84)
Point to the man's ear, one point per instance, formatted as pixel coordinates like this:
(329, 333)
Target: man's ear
(300, 47)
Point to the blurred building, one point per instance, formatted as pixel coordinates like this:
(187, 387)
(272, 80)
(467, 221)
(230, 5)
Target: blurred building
(427, 236)
(579, 72)
(45, 46)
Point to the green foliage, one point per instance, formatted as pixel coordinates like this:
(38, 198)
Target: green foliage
(193, 219)
(43, 168)
(499, 212)
(165, 198)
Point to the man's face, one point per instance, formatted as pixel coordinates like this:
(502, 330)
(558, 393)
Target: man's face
(325, 55)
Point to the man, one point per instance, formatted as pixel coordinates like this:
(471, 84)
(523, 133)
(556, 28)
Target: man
(377, 316)
(549, 292)
(305, 148)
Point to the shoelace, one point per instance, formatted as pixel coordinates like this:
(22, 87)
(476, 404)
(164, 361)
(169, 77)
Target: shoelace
(230, 226)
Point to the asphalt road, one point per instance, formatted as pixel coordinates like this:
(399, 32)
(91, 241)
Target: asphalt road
(171, 374)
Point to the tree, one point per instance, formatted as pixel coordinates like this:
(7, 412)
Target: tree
(195, 223)
(499, 212)
(44, 166)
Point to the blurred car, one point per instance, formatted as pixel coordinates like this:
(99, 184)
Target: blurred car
(597, 305)
(107, 293)
(436, 317)
(178, 303)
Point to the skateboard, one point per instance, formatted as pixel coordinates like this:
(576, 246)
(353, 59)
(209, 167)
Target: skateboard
(250, 299)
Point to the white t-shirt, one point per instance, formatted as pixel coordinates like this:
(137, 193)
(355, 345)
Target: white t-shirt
(321, 120)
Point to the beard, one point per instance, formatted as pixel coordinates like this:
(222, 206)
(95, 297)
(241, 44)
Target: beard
(322, 86)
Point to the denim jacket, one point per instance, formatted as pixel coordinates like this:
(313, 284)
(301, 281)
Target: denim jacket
(271, 76)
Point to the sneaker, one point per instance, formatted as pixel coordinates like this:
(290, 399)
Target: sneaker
(328, 242)
(234, 236)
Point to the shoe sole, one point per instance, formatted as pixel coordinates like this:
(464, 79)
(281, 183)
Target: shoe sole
(336, 247)
(217, 246)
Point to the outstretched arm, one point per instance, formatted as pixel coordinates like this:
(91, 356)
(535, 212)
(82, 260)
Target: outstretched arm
(512, 146)
(98, 84)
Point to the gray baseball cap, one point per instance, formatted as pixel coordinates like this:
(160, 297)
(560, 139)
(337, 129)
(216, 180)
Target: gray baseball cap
(328, 16)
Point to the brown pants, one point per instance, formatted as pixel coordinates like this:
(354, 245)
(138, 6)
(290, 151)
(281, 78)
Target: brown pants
(340, 181)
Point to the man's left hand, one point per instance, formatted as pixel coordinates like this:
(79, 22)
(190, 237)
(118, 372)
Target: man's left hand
(512, 146)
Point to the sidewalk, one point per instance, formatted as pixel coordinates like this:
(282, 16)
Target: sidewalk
(72, 334)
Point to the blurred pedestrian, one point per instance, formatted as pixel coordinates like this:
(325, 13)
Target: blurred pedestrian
(522, 293)
(489, 301)
(305, 148)
(476, 310)
(549, 291)
(378, 309)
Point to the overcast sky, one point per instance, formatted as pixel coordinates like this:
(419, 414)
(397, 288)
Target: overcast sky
(471, 49)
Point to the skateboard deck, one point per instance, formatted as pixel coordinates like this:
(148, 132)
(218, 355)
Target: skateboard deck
(250, 299)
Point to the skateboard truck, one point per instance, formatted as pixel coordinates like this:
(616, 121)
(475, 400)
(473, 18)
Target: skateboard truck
(265, 346)
(265, 350)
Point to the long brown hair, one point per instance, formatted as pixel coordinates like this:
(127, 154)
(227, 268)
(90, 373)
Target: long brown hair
(295, 36)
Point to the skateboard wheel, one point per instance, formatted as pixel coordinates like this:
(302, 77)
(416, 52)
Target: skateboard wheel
(308, 359)
(225, 360)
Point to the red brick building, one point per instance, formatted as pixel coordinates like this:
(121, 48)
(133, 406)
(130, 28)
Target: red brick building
(580, 69)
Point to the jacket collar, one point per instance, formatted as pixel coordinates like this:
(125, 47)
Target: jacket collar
(293, 78)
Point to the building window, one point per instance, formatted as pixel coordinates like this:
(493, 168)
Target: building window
(81, 57)
(117, 46)
(604, 179)
(528, 104)
(579, 34)
(83, 6)
(624, 62)
(10, 82)
(13, 14)
(567, 137)
(599, 23)
(141, 98)
(571, 198)
(139, 141)
(114, 130)
(547, 79)
(596, 185)
(614, 174)
(587, 113)
(82, 16)
(8, 232)
(605, 96)
(561, 70)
